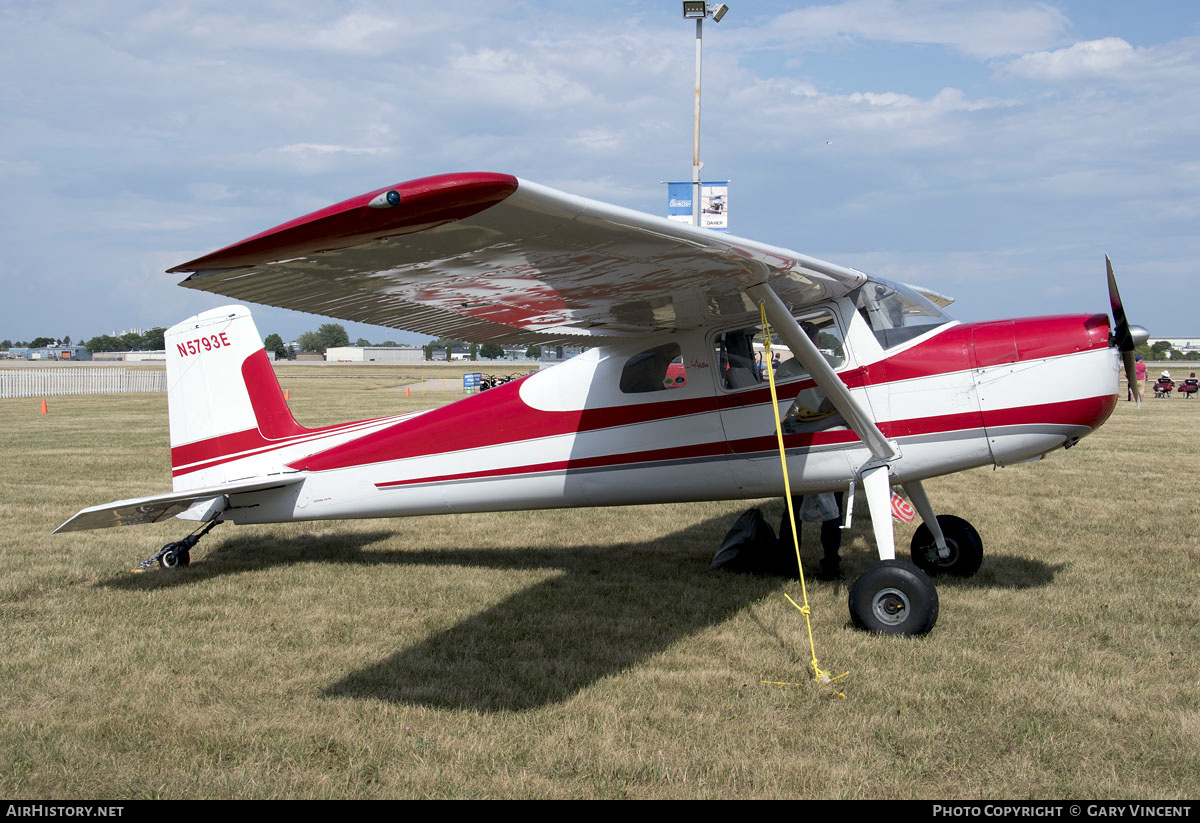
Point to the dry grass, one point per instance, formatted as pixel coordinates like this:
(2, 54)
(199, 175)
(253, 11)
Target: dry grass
(587, 653)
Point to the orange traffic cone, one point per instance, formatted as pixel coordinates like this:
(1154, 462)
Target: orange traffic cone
(287, 395)
(44, 409)
(407, 391)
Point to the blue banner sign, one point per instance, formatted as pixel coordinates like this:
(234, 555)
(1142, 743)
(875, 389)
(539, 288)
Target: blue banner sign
(714, 203)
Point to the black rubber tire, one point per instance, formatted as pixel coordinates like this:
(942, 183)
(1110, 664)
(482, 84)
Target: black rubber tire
(184, 557)
(965, 544)
(169, 559)
(894, 597)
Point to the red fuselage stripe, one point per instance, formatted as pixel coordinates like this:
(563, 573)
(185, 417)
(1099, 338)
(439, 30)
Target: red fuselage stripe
(1088, 412)
(500, 416)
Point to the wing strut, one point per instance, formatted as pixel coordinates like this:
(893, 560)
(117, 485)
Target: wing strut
(822, 373)
(875, 474)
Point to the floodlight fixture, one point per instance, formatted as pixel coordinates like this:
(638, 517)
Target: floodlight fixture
(718, 12)
(695, 9)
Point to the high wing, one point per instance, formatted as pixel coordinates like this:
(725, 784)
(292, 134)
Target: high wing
(492, 258)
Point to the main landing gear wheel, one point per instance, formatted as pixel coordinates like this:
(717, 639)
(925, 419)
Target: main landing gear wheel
(894, 597)
(964, 543)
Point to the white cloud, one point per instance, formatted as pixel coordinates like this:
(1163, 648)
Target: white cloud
(875, 122)
(602, 188)
(981, 28)
(522, 80)
(1094, 58)
(211, 192)
(596, 140)
(20, 168)
(325, 148)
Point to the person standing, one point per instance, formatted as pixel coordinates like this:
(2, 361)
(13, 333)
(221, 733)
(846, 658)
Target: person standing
(826, 508)
(1140, 373)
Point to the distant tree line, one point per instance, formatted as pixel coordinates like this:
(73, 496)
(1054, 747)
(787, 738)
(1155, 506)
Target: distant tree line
(328, 336)
(488, 351)
(35, 343)
(150, 341)
(1163, 350)
(332, 335)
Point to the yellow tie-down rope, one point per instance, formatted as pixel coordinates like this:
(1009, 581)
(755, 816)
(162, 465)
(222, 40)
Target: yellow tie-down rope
(819, 674)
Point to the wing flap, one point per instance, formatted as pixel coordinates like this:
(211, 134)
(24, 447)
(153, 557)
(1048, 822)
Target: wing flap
(140, 510)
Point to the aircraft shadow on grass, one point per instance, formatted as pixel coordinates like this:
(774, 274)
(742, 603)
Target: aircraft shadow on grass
(611, 608)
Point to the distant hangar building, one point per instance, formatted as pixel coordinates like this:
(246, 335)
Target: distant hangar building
(49, 353)
(375, 354)
(1183, 345)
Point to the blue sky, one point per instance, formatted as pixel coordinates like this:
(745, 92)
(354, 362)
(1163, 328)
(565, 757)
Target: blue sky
(993, 151)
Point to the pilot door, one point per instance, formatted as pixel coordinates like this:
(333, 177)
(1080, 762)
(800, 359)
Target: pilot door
(816, 436)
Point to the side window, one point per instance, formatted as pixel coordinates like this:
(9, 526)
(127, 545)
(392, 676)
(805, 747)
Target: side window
(657, 369)
(738, 363)
(739, 352)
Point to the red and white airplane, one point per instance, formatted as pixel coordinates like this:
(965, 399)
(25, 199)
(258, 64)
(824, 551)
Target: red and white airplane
(882, 389)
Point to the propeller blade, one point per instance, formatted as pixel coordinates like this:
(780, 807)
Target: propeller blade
(1124, 337)
(1121, 336)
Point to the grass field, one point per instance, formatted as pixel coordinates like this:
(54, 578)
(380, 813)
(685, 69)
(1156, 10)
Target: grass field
(587, 653)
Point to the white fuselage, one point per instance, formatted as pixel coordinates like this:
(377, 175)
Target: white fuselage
(953, 398)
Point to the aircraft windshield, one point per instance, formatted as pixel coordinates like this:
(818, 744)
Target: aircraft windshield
(895, 313)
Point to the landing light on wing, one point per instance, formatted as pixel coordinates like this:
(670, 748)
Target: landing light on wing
(386, 200)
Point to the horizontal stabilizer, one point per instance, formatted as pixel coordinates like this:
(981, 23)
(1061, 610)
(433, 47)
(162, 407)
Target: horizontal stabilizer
(158, 507)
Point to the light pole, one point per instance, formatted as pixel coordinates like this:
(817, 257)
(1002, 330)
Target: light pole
(697, 10)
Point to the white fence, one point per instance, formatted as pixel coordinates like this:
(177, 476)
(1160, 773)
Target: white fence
(51, 382)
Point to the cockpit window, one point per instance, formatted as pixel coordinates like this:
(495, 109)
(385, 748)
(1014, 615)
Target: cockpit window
(896, 314)
(740, 352)
(656, 369)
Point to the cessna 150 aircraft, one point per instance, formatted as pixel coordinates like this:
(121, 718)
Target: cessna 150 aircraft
(883, 388)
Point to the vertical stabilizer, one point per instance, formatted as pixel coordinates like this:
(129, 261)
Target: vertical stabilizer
(223, 398)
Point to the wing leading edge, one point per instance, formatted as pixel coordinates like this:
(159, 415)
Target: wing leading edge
(489, 257)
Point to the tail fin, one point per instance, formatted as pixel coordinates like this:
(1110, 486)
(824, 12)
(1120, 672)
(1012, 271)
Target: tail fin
(223, 399)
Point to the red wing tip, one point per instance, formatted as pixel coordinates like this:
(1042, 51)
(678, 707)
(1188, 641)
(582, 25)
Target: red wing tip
(424, 202)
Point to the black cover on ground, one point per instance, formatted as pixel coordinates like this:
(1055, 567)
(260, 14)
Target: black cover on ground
(751, 547)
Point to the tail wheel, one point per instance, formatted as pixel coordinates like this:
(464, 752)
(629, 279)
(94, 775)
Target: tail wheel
(175, 556)
(964, 543)
(894, 597)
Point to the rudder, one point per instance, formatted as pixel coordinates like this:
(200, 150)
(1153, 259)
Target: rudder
(223, 398)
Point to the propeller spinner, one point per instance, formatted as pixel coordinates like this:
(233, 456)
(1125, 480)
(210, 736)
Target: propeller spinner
(1124, 336)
